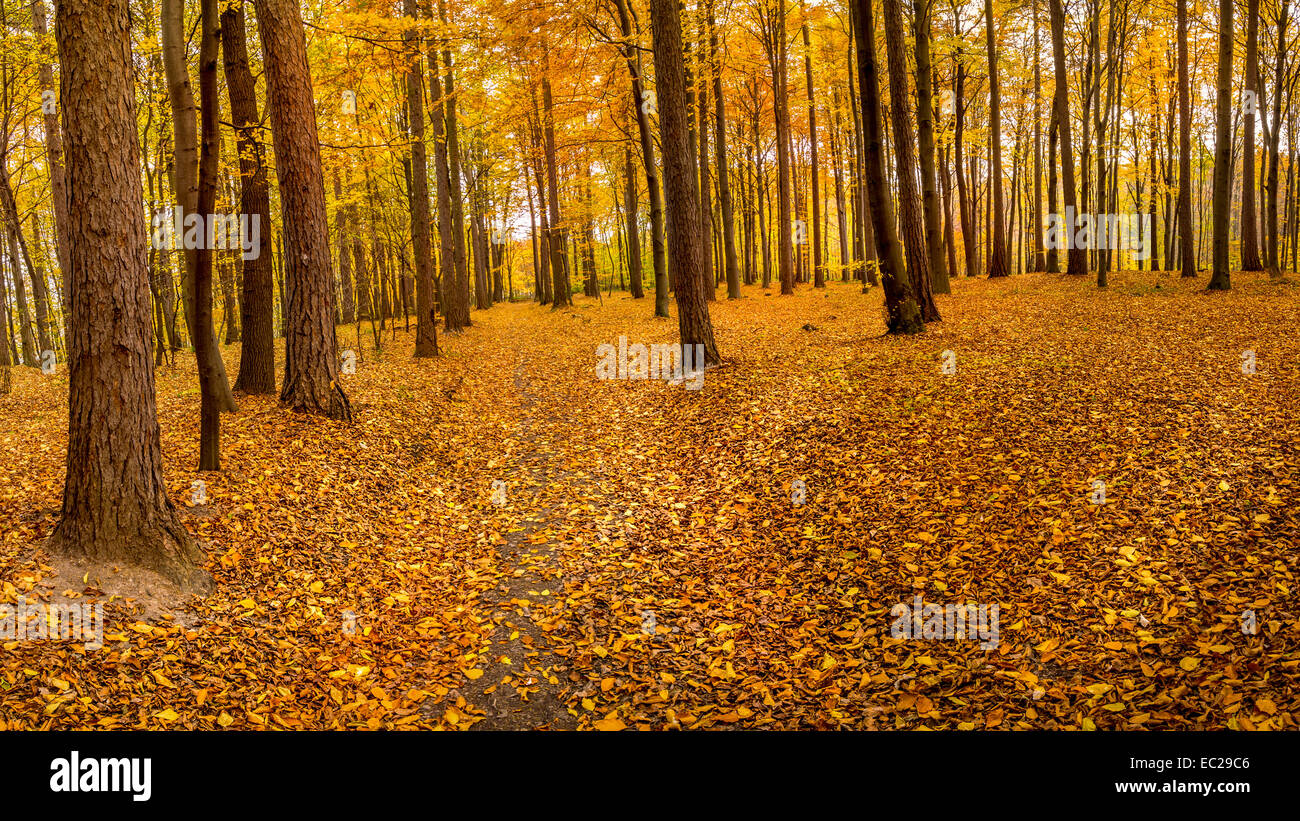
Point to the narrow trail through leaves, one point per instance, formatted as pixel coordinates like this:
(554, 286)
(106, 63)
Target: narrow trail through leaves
(649, 565)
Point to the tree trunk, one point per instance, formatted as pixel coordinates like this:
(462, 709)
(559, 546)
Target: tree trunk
(903, 315)
(426, 320)
(909, 199)
(1076, 258)
(186, 169)
(1186, 235)
(925, 142)
(1249, 220)
(1222, 204)
(997, 253)
(257, 355)
(115, 504)
(684, 229)
(311, 363)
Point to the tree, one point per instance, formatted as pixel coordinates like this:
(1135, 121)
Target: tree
(426, 321)
(115, 505)
(1252, 100)
(934, 238)
(640, 105)
(311, 365)
(772, 22)
(1222, 204)
(257, 308)
(998, 253)
(902, 314)
(205, 339)
(909, 199)
(685, 255)
(1076, 258)
(186, 163)
(730, 263)
(1185, 232)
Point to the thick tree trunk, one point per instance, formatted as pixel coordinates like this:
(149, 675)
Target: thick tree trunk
(257, 355)
(903, 315)
(1220, 279)
(911, 222)
(115, 504)
(311, 363)
(684, 229)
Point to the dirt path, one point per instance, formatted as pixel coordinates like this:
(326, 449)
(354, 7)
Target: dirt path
(524, 684)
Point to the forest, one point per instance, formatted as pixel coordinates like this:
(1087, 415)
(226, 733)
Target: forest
(649, 364)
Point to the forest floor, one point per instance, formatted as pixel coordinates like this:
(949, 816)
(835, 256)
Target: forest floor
(646, 562)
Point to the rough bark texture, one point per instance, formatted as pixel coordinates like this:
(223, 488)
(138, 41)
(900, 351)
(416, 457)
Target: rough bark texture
(685, 258)
(115, 505)
(426, 321)
(902, 314)
(1186, 236)
(909, 199)
(1220, 279)
(998, 253)
(311, 364)
(934, 238)
(1076, 258)
(257, 308)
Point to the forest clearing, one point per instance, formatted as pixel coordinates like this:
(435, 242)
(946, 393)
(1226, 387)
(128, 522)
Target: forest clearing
(626, 498)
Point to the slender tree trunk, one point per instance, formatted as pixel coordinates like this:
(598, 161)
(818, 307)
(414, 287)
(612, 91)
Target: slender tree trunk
(1249, 219)
(731, 264)
(426, 320)
(186, 164)
(997, 253)
(925, 142)
(1076, 258)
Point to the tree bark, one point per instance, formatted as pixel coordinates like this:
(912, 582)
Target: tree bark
(903, 315)
(1220, 279)
(311, 364)
(257, 308)
(115, 504)
(684, 229)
